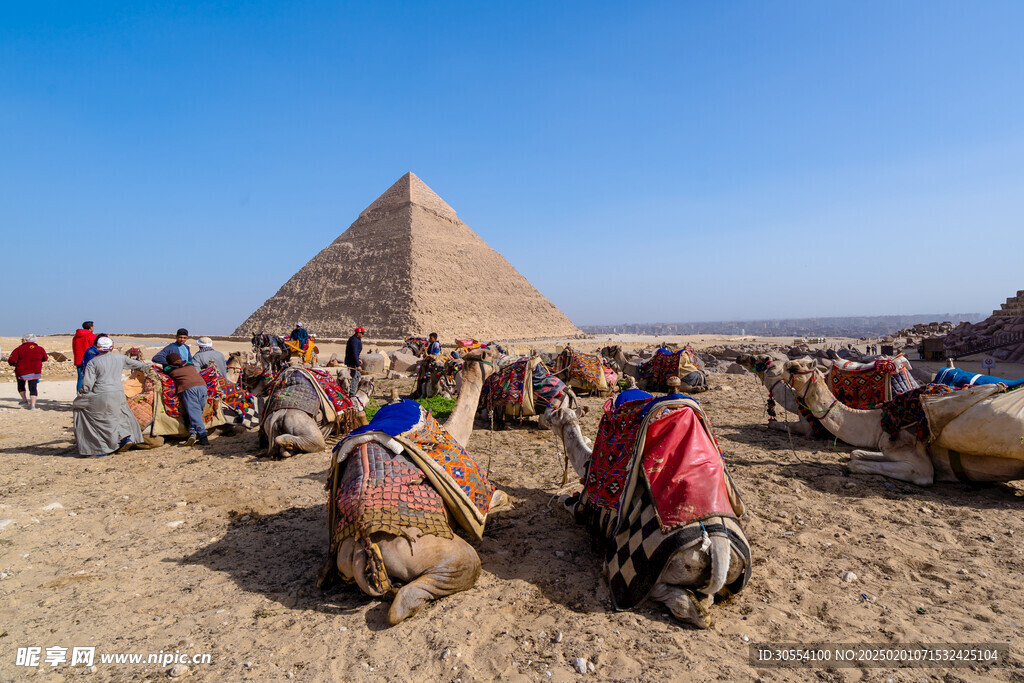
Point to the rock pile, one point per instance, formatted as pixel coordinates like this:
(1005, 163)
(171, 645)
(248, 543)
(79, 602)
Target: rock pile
(989, 330)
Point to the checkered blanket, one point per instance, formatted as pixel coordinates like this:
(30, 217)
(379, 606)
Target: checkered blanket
(656, 483)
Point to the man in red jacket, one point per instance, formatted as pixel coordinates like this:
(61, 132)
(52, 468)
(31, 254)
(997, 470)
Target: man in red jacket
(83, 339)
(28, 361)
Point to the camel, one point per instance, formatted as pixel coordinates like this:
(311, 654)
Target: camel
(769, 373)
(981, 443)
(685, 575)
(428, 565)
(616, 358)
(300, 418)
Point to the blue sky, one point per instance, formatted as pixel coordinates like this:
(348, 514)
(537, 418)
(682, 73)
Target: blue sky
(168, 164)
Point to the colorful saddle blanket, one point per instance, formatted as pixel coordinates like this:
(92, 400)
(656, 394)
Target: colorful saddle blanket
(239, 405)
(453, 473)
(308, 390)
(581, 370)
(170, 397)
(905, 412)
(865, 387)
(167, 418)
(656, 483)
(522, 388)
(665, 364)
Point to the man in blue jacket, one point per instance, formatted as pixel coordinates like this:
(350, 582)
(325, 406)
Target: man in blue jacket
(353, 348)
(179, 347)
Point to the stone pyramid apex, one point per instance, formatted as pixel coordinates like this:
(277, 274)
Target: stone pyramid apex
(409, 189)
(404, 267)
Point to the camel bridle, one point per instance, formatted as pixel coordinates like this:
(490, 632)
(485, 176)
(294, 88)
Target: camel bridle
(802, 398)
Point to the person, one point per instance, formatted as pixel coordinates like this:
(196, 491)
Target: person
(180, 347)
(28, 361)
(353, 348)
(103, 423)
(191, 390)
(207, 356)
(301, 335)
(94, 351)
(434, 346)
(83, 339)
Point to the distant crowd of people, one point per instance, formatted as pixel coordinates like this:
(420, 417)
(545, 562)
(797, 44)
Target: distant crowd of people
(103, 422)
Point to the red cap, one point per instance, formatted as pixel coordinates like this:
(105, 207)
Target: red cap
(359, 329)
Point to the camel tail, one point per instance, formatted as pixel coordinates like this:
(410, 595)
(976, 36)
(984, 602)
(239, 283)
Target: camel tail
(721, 554)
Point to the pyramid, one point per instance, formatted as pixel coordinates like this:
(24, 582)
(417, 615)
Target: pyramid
(1005, 323)
(409, 266)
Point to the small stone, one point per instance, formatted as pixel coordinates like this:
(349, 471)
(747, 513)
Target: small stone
(961, 571)
(248, 665)
(446, 654)
(558, 637)
(178, 670)
(590, 665)
(848, 577)
(4, 523)
(849, 485)
(343, 628)
(289, 675)
(180, 504)
(93, 669)
(580, 665)
(745, 639)
(246, 518)
(989, 538)
(52, 506)
(983, 575)
(175, 525)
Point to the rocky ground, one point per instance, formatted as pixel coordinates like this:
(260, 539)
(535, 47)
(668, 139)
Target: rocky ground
(215, 551)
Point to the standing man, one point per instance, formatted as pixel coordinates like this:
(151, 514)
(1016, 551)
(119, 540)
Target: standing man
(179, 347)
(434, 347)
(83, 339)
(353, 348)
(191, 390)
(207, 356)
(103, 422)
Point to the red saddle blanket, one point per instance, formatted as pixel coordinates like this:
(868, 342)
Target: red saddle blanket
(170, 397)
(668, 444)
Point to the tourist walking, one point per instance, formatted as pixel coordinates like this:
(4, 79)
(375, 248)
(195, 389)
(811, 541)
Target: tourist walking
(207, 356)
(28, 361)
(180, 347)
(83, 339)
(102, 420)
(191, 390)
(353, 348)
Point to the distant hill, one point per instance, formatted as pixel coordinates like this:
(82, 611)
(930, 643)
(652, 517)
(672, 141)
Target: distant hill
(862, 326)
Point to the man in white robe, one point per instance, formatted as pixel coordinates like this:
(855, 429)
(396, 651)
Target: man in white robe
(104, 424)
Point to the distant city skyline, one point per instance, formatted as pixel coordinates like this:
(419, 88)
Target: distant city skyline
(167, 165)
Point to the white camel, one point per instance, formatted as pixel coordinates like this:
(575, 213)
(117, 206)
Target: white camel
(984, 442)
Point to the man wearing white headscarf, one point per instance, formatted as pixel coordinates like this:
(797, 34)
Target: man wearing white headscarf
(103, 422)
(207, 356)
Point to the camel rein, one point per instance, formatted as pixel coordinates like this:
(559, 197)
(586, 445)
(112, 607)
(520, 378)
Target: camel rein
(814, 377)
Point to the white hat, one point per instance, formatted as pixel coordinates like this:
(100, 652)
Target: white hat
(105, 343)
(298, 324)
(29, 338)
(205, 342)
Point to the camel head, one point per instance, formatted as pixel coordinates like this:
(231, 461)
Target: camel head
(759, 362)
(798, 374)
(482, 360)
(565, 423)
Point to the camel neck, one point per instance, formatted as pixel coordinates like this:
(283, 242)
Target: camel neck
(460, 422)
(849, 424)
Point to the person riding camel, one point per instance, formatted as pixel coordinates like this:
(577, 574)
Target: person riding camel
(300, 335)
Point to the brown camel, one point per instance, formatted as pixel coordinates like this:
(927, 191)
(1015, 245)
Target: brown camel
(430, 566)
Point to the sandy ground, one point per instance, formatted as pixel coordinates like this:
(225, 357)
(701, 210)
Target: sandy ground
(215, 551)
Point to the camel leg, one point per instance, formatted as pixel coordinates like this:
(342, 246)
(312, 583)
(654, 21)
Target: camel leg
(905, 464)
(456, 569)
(803, 428)
(860, 454)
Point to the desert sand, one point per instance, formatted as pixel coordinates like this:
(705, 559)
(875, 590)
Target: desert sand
(216, 551)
